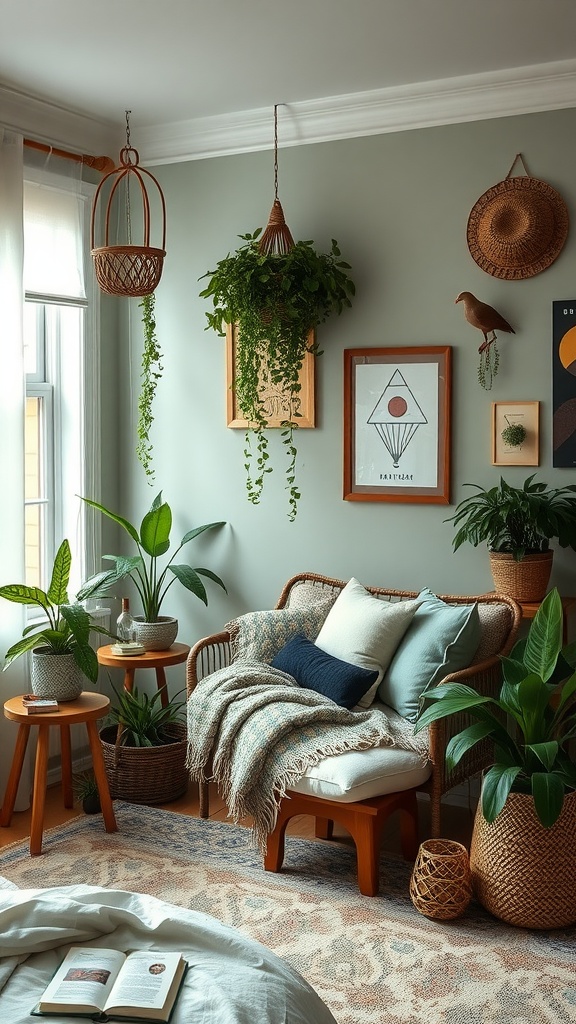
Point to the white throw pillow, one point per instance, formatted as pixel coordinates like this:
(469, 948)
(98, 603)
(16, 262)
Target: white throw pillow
(365, 631)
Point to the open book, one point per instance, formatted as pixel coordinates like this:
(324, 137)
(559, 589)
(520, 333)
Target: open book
(105, 984)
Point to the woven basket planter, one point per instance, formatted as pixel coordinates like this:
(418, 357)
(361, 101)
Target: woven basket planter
(146, 775)
(523, 873)
(156, 636)
(56, 676)
(524, 581)
(440, 886)
(130, 270)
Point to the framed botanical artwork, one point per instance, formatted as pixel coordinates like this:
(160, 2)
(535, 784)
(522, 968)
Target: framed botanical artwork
(515, 433)
(397, 424)
(278, 408)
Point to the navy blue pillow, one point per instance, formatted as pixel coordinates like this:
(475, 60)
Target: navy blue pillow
(311, 667)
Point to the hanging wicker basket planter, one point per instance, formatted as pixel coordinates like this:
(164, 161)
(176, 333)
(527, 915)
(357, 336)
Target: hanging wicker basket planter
(128, 269)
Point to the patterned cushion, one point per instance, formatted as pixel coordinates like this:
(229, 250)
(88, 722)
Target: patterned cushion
(304, 595)
(258, 636)
(494, 628)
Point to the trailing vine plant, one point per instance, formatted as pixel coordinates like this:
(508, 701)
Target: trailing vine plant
(150, 375)
(276, 300)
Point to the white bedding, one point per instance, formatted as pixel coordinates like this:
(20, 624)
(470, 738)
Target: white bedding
(232, 980)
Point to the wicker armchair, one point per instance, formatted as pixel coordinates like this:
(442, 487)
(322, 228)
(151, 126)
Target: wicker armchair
(365, 819)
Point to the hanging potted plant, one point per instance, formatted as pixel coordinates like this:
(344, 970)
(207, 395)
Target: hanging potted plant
(276, 291)
(276, 300)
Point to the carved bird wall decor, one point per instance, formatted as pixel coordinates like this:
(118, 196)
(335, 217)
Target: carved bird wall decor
(488, 320)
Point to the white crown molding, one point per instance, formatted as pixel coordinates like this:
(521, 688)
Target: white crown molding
(424, 104)
(58, 126)
(477, 97)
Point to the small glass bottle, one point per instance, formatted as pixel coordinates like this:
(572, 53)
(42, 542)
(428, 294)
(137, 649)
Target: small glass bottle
(125, 628)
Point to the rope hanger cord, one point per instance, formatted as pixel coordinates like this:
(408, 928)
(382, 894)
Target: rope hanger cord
(103, 164)
(521, 159)
(277, 239)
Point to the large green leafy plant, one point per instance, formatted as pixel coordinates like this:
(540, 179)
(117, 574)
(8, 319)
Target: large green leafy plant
(152, 581)
(276, 300)
(531, 723)
(517, 520)
(65, 627)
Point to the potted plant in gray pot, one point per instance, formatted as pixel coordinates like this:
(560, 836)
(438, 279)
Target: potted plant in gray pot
(523, 854)
(517, 523)
(145, 748)
(154, 631)
(62, 656)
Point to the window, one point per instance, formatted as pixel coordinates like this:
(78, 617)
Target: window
(60, 355)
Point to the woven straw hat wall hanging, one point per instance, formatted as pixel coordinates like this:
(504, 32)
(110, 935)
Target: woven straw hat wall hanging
(125, 268)
(518, 227)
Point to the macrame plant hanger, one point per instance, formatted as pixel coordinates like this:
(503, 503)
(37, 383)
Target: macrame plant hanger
(276, 240)
(128, 269)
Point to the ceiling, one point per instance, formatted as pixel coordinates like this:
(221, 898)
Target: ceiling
(176, 62)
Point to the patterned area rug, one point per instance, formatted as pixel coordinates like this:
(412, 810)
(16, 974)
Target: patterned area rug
(370, 959)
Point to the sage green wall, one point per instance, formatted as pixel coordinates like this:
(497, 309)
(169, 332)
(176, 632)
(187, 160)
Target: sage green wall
(398, 205)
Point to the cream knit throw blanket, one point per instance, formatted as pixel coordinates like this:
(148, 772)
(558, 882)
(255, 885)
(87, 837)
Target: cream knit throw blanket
(255, 731)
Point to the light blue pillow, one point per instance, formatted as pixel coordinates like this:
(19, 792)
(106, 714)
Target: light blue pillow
(441, 638)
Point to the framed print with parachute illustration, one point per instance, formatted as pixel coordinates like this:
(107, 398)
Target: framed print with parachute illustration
(397, 424)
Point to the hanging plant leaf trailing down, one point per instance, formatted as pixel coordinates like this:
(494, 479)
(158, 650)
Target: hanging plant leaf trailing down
(151, 374)
(276, 300)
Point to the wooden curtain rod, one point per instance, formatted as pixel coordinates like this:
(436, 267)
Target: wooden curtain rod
(104, 164)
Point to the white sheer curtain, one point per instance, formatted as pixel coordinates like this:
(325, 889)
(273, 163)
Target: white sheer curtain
(12, 394)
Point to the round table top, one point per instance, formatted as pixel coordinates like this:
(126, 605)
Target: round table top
(87, 706)
(150, 659)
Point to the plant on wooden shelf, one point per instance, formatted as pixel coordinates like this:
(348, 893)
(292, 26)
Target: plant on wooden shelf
(60, 642)
(276, 300)
(517, 523)
(151, 581)
(530, 790)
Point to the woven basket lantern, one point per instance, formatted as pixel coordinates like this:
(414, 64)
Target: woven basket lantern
(440, 885)
(128, 269)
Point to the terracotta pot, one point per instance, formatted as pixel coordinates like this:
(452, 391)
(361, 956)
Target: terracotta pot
(526, 580)
(523, 873)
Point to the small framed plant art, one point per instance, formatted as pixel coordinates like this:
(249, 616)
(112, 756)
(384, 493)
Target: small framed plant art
(397, 424)
(515, 433)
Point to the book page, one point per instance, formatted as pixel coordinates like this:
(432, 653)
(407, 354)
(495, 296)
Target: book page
(84, 979)
(146, 981)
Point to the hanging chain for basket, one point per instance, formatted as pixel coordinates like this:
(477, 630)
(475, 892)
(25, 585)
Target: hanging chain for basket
(128, 269)
(277, 239)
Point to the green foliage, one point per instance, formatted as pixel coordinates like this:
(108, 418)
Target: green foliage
(517, 520)
(151, 374)
(276, 301)
(513, 434)
(69, 626)
(152, 541)
(489, 365)
(84, 785)
(143, 719)
(531, 724)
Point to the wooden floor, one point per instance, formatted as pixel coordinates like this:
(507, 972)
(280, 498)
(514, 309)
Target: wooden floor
(456, 824)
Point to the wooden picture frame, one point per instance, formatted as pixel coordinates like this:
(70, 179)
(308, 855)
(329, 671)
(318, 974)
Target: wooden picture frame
(527, 452)
(397, 409)
(279, 413)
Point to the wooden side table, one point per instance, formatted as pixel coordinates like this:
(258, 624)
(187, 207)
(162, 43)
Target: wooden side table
(87, 708)
(529, 609)
(158, 660)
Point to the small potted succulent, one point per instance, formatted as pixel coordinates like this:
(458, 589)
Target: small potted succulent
(154, 631)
